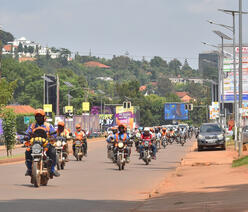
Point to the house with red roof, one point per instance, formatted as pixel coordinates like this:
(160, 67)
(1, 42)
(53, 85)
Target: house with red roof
(95, 64)
(184, 96)
(22, 109)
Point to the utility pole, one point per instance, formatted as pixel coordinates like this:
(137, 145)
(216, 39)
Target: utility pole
(240, 77)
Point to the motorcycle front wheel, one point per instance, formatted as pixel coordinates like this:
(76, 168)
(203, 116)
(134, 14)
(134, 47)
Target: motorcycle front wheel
(36, 178)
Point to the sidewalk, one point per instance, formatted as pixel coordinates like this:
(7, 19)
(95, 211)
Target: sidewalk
(205, 181)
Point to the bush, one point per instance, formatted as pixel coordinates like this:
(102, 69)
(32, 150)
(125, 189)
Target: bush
(9, 129)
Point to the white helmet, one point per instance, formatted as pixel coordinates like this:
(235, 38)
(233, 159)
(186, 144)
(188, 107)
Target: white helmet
(147, 129)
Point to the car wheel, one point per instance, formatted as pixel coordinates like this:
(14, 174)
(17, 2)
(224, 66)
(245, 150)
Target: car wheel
(200, 148)
(223, 147)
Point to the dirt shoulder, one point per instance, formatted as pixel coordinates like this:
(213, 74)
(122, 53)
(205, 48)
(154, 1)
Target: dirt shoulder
(205, 181)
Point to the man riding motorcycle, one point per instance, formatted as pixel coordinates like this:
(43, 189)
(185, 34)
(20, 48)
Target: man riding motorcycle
(123, 136)
(61, 131)
(82, 136)
(147, 136)
(41, 123)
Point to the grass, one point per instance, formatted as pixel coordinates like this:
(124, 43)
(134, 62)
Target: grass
(240, 162)
(14, 156)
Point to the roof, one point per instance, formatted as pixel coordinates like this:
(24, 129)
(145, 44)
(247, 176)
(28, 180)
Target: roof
(21, 109)
(23, 59)
(95, 64)
(7, 47)
(186, 98)
(181, 94)
(142, 88)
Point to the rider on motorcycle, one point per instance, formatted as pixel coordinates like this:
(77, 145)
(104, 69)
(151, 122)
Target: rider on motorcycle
(82, 136)
(147, 136)
(41, 123)
(122, 135)
(63, 132)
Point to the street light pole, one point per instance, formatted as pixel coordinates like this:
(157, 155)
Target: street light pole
(240, 77)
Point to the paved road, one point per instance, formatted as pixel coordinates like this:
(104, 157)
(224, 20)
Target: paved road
(94, 184)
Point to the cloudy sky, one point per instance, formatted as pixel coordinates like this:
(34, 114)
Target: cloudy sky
(166, 28)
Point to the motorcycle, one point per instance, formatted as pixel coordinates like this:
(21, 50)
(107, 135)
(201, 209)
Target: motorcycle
(79, 152)
(121, 155)
(147, 152)
(164, 141)
(41, 164)
(110, 151)
(60, 152)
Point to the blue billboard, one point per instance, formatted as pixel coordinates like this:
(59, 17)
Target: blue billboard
(175, 111)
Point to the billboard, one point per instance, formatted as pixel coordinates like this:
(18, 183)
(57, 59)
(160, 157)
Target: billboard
(228, 68)
(125, 116)
(175, 111)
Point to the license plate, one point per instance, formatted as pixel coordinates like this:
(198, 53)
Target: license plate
(211, 140)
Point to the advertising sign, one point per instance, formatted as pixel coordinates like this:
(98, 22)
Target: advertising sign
(228, 65)
(125, 116)
(214, 110)
(29, 119)
(106, 119)
(48, 108)
(68, 109)
(175, 111)
(86, 106)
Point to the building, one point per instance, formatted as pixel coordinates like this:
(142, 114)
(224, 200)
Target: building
(95, 64)
(208, 60)
(184, 97)
(22, 109)
(178, 80)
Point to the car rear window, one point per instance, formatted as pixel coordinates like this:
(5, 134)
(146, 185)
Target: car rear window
(210, 128)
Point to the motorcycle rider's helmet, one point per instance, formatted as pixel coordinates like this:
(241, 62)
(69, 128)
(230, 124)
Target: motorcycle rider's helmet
(61, 123)
(40, 116)
(78, 127)
(61, 126)
(122, 126)
(164, 129)
(152, 130)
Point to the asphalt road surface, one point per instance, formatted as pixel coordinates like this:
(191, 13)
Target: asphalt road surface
(94, 184)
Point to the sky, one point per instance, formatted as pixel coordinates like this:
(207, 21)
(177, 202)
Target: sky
(166, 28)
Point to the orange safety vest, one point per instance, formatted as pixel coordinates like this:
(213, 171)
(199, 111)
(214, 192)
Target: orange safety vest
(80, 134)
(46, 128)
(117, 137)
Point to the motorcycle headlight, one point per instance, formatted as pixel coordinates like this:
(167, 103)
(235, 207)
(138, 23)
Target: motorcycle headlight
(201, 137)
(78, 142)
(146, 143)
(58, 143)
(120, 145)
(220, 137)
(36, 149)
(63, 143)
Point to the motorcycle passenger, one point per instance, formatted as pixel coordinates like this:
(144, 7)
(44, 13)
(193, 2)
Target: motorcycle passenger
(122, 135)
(80, 134)
(147, 136)
(40, 123)
(63, 132)
(110, 138)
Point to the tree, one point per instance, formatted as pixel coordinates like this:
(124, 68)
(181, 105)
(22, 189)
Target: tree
(186, 66)
(20, 48)
(158, 62)
(6, 37)
(165, 86)
(175, 66)
(7, 90)
(9, 129)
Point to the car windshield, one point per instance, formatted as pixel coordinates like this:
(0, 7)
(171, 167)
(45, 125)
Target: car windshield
(210, 128)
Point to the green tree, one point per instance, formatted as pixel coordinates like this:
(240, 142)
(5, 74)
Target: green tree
(9, 129)
(20, 48)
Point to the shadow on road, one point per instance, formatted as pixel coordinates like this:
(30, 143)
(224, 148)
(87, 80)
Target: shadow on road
(65, 205)
(213, 199)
